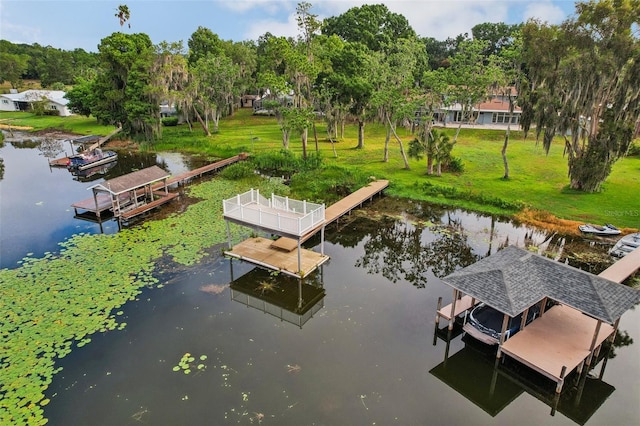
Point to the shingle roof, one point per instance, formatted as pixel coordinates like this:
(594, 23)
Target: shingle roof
(514, 279)
(132, 181)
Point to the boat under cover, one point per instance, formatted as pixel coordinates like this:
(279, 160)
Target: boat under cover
(485, 323)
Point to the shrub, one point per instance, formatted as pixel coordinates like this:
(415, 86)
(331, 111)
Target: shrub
(284, 163)
(237, 171)
(170, 121)
(634, 148)
(455, 165)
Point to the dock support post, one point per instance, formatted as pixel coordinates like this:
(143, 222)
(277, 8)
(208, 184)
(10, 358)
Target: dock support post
(228, 234)
(453, 309)
(322, 240)
(561, 380)
(593, 343)
(299, 258)
(505, 322)
(438, 307)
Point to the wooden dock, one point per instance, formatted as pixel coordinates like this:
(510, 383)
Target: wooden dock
(564, 339)
(259, 251)
(557, 342)
(335, 211)
(102, 201)
(285, 254)
(182, 178)
(159, 199)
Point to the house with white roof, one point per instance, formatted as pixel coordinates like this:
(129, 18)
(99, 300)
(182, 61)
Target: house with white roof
(23, 101)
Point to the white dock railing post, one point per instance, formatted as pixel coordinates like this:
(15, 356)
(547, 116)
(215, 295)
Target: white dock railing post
(286, 203)
(304, 206)
(279, 226)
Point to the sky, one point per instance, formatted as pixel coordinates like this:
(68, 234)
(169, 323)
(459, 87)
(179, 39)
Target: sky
(71, 24)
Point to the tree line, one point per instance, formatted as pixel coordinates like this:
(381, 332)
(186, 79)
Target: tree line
(578, 80)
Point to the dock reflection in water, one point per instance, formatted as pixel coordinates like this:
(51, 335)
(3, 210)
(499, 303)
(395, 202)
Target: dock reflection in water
(290, 299)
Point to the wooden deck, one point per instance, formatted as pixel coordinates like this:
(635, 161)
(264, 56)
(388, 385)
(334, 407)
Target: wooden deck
(95, 206)
(259, 251)
(463, 304)
(282, 254)
(335, 211)
(560, 338)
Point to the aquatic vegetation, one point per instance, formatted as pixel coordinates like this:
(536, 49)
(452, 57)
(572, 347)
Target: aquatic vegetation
(53, 304)
(187, 362)
(266, 286)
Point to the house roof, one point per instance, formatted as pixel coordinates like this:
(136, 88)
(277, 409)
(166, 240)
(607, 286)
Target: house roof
(496, 105)
(31, 95)
(514, 279)
(131, 181)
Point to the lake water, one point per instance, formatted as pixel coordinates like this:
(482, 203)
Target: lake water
(358, 350)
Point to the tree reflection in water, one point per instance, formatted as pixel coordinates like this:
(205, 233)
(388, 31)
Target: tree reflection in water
(399, 250)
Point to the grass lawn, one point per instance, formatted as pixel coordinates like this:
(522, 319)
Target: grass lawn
(537, 180)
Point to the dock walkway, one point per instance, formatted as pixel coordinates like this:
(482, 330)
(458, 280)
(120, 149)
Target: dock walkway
(335, 211)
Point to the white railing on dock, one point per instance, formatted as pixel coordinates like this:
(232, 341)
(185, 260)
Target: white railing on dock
(277, 213)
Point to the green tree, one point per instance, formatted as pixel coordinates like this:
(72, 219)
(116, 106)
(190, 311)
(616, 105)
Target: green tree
(123, 91)
(394, 98)
(508, 84)
(204, 42)
(375, 26)
(12, 67)
(469, 79)
(583, 79)
(498, 36)
(352, 82)
(55, 65)
(81, 97)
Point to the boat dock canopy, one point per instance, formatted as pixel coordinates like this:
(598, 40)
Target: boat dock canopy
(515, 279)
(131, 181)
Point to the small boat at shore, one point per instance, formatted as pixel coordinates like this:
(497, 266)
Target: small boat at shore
(625, 245)
(603, 231)
(87, 160)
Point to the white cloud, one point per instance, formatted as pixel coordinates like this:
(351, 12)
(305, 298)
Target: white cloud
(545, 11)
(271, 7)
(429, 18)
(288, 28)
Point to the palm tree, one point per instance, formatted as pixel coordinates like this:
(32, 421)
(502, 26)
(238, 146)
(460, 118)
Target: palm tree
(123, 14)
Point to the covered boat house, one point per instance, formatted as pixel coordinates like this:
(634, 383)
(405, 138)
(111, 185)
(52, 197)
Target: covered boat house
(129, 195)
(585, 311)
